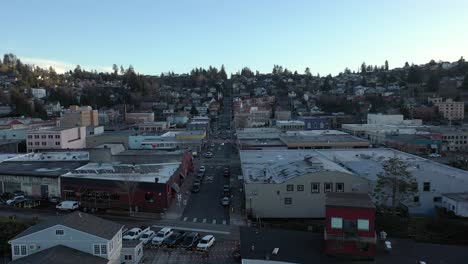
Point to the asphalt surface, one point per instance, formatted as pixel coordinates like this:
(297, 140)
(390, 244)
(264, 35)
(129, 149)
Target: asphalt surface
(205, 206)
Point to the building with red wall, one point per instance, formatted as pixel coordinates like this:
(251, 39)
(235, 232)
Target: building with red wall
(152, 187)
(349, 225)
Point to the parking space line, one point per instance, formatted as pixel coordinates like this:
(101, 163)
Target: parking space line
(194, 220)
(196, 229)
(214, 221)
(204, 220)
(224, 222)
(185, 219)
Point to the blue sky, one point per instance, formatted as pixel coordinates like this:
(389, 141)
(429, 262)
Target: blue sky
(178, 35)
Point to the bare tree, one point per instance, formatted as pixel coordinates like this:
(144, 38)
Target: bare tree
(395, 183)
(129, 185)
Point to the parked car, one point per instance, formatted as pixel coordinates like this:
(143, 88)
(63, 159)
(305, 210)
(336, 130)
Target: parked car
(226, 190)
(227, 173)
(208, 154)
(206, 242)
(164, 233)
(135, 233)
(15, 200)
(195, 188)
(147, 236)
(190, 240)
(54, 199)
(212, 145)
(68, 206)
(202, 169)
(174, 239)
(225, 201)
(435, 155)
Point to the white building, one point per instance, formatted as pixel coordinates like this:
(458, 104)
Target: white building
(456, 203)
(293, 183)
(38, 93)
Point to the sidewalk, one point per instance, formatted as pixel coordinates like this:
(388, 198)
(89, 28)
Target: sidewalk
(176, 209)
(237, 215)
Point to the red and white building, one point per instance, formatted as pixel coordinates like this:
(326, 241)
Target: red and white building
(349, 225)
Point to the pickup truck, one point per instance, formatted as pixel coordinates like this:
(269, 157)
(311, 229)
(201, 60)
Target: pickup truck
(135, 233)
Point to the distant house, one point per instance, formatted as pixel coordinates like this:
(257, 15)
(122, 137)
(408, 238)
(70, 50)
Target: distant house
(73, 238)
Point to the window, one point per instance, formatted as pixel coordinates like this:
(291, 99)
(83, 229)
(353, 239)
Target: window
(36, 136)
(315, 187)
(339, 187)
(29, 136)
(97, 250)
(363, 224)
(426, 186)
(416, 199)
(43, 136)
(36, 143)
(30, 143)
(43, 143)
(103, 249)
(59, 232)
(336, 223)
(288, 200)
(139, 252)
(300, 188)
(57, 143)
(437, 199)
(290, 187)
(57, 136)
(50, 136)
(328, 187)
(128, 257)
(16, 250)
(23, 250)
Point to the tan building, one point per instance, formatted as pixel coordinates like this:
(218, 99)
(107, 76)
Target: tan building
(452, 110)
(80, 116)
(56, 138)
(139, 118)
(153, 126)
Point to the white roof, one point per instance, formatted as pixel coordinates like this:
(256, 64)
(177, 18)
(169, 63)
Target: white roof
(123, 172)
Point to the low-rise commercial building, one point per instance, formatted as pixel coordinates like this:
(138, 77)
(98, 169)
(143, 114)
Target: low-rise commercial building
(139, 118)
(288, 125)
(321, 139)
(38, 174)
(457, 203)
(451, 110)
(350, 225)
(293, 183)
(144, 187)
(56, 138)
(153, 126)
(79, 116)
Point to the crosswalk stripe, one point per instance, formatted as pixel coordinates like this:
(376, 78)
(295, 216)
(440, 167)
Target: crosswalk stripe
(185, 219)
(204, 220)
(194, 220)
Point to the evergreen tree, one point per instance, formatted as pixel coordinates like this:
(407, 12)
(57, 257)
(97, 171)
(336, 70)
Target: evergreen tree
(222, 73)
(363, 68)
(307, 71)
(433, 82)
(386, 65)
(395, 183)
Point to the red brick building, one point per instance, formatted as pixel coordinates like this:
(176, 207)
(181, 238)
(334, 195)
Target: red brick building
(149, 187)
(349, 227)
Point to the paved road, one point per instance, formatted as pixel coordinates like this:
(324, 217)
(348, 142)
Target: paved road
(205, 206)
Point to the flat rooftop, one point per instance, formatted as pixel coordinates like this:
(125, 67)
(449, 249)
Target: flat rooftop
(50, 129)
(360, 200)
(315, 132)
(53, 156)
(120, 172)
(306, 248)
(282, 165)
(39, 168)
(368, 163)
(322, 138)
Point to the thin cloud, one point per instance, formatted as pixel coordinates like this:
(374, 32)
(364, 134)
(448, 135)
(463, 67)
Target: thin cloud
(61, 66)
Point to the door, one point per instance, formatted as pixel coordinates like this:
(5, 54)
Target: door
(44, 191)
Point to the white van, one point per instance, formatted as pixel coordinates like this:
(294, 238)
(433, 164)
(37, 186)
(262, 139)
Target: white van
(68, 206)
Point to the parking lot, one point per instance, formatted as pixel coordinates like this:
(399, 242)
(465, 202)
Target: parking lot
(221, 252)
